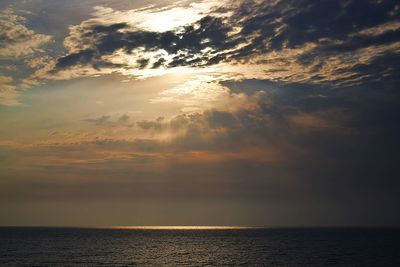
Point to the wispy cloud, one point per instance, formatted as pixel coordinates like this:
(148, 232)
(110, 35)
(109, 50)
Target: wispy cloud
(16, 39)
(8, 93)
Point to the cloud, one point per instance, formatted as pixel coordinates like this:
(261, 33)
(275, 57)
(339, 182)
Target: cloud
(156, 125)
(8, 93)
(272, 115)
(294, 23)
(333, 119)
(124, 118)
(17, 42)
(271, 118)
(289, 41)
(183, 47)
(112, 120)
(16, 39)
(99, 121)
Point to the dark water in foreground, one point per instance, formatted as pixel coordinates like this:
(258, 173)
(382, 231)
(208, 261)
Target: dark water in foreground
(246, 247)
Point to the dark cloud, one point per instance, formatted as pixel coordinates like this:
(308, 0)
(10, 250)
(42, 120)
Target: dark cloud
(367, 128)
(218, 119)
(76, 58)
(124, 118)
(186, 45)
(309, 21)
(99, 121)
(341, 142)
(383, 68)
(335, 27)
(149, 125)
(111, 121)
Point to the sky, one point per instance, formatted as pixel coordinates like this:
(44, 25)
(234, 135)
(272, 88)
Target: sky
(276, 113)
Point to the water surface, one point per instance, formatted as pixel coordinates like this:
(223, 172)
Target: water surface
(199, 247)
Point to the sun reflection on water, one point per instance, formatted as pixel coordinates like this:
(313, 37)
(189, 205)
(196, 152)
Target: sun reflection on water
(179, 227)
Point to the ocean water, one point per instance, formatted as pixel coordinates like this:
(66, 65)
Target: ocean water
(234, 247)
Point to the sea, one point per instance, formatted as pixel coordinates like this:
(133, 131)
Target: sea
(40, 246)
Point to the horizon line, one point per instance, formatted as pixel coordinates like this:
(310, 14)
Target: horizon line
(195, 227)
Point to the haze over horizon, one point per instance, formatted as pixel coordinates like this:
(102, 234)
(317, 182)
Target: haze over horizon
(275, 113)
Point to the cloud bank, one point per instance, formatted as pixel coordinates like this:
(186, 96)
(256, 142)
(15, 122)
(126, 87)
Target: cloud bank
(337, 43)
